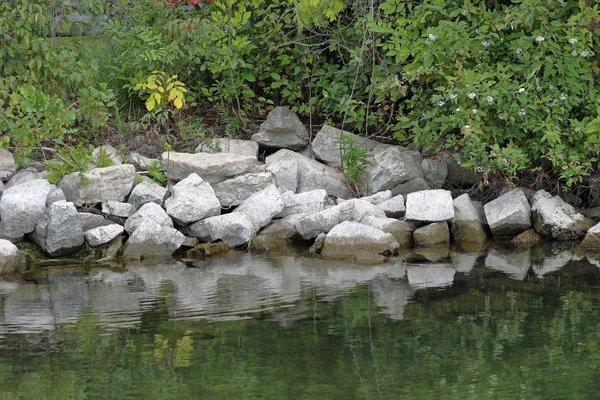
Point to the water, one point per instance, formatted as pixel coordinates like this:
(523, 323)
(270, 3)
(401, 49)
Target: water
(487, 325)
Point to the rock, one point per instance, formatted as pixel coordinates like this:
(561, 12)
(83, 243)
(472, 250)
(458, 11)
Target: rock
(55, 195)
(117, 208)
(192, 199)
(414, 185)
(147, 192)
(262, 206)
(1, 187)
(226, 145)
(142, 161)
(272, 245)
(90, 221)
(509, 214)
(10, 257)
(235, 229)
(283, 228)
(103, 234)
(152, 240)
(432, 235)
(435, 172)
(233, 192)
(459, 176)
(592, 237)
(99, 184)
(307, 202)
(190, 242)
(212, 168)
(7, 164)
(429, 206)
(208, 249)
(390, 168)
(358, 241)
(151, 211)
(394, 207)
(467, 226)
(21, 206)
(528, 239)
(379, 198)
(402, 231)
(311, 175)
(22, 177)
(555, 219)
(326, 144)
(282, 130)
(317, 246)
(592, 213)
(106, 156)
(59, 232)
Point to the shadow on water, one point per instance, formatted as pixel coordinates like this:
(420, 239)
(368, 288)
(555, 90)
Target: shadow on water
(494, 323)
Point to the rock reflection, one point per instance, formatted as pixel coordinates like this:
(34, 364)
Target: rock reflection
(514, 263)
(430, 276)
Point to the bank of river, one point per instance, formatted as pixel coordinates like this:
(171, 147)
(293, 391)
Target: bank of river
(492, 324)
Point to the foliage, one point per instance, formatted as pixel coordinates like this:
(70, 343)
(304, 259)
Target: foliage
(162, 91)
(355, 159)
(155, 172)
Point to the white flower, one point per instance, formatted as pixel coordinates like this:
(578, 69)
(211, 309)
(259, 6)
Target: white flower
(505, 161)
(521, 90)
(477, 31)
(551, 87)
(584, 53)
(564, 167)
(577, 129)
(441, 103)
(574, 53)
(444, 53)
(519, 51)
(458, 109)
(572, 40)
(562, 97)
(539, 39)
(538, 88)
(466, 127)
(506, 11)
(471, 95)
(522, 112)
(427, 41)
(479, 169)
(453, 96)
(479, 52)
(432, 37)
(490, 99)
(485, 43)
(474, 111)
(500, 116)
(465, 12)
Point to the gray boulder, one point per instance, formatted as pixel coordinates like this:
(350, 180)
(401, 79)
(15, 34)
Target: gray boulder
(233, 192)
(262, 206)
(151, 211)
(22, 177)
(432, 235)
(21, 206)
(226, 145)
(391, 167)
(192, 199)
(143, 161)
(429, 206)
(379, 198)
(103, 234)
(213, 168)
(7, 164)
(90, 221)
(55, 195)
(358, 241)
(235, 229)
(282, 130)
(414, 185)
(147, 192)
(285, 173)
(152, 240)
(106, 156)
(592, 237)
(460, 176)
(435, 172)
(394, 207)
(59, 232)
(401, 230)
(326, 144)
(117, 208)
(10, 257)
(555, 219)
(307, 202)
(509, 214)
(468, 224)
(99, 184)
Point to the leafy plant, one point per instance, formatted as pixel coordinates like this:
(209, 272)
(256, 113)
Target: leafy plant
(161, 91)
(355, 160)
(155, 172)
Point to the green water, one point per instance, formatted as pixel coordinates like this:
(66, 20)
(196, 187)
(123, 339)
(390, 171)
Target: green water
(497, 325)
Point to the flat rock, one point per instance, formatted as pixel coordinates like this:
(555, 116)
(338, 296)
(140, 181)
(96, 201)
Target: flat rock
(151, 211)
(213, 168)
(99, 184)
(234, 228)
(429, 206)
(147, 192)
(358, 241)
(102, 234)
(394, 207)
(262, 206)
(117, 208)
(10, 257)
(143, 161)
(326, 144)
(432, 235)
(233, 192)
(21, 206)
(509, 214)
(468, 226)
(402, 231)
(90, 221)
(391, 167)
(152, 240)
(59, 232)
(379, 197)
(192, 199)
(555, 219)
(282, 130)
(227, 145)
(302, 203)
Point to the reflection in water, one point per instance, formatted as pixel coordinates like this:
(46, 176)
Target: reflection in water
(514, 263)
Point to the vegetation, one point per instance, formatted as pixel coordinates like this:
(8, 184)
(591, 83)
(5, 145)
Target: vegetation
(502, 85)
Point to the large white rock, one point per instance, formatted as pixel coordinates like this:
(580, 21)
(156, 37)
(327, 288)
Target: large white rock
(117, 208)
(429, 206)
(285, 173)
(434, 172)
(358, 241)
(555, 219)
(21, 206)
(391, 167)
(150, 211)
(282, 129)
(7, 164)
(509, 214)
(147, 192)
(433, 234)
(106, 155)
(307, 202)
(59, 232)
(99, 184)
(153, 240)
(326, 144)
(55, 195)
(233, 192)
(261, 207)
(226, 145)
(143, 161)
(10, 257)
(468, 224)
(592, 237)
(379, 197)
(22, 177)
(103, 234)
(213, 168)
(394, 207)
(90, 221)
(235, 229)
(192, 199)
